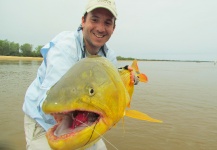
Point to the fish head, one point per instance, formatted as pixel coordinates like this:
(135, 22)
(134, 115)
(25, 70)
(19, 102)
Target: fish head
(86, 102)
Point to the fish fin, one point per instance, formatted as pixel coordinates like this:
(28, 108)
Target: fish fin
(143, 78)
(141, 116)
(135, 66)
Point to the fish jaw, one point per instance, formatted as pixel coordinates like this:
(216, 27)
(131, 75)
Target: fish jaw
(82, 135)
(69, 133)
(81, 125)
(103, 117)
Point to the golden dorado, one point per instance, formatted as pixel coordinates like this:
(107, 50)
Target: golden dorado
(88, 101)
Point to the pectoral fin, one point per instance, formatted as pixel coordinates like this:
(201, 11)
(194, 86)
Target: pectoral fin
(143, 78)
(141, 116)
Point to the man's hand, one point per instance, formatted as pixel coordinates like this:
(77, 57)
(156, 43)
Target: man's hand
(133, 78)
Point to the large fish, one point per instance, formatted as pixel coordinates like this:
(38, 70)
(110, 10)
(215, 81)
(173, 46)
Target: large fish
(88, 101)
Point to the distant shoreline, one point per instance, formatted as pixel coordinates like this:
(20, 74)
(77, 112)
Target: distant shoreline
(20, 58)
(41, 58)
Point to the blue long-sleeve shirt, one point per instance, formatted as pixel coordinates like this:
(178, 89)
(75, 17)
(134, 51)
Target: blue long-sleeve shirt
(59, 55)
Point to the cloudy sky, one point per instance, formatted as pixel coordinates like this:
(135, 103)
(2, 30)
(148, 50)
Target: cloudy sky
(149, 29)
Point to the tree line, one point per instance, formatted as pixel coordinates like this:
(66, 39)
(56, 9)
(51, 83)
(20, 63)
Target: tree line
(8, 48)
(124, 58)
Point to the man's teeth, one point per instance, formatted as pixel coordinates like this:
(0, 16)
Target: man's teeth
(99, 36)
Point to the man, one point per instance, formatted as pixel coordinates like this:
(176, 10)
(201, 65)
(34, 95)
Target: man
(67, 48)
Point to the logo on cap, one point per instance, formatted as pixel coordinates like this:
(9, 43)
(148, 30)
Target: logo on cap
(105, 1)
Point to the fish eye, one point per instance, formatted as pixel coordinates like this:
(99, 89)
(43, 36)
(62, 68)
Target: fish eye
(91, 91)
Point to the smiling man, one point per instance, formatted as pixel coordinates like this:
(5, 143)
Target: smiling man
(98, 26)
(60, 54)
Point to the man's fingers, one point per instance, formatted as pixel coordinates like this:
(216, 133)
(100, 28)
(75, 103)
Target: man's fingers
(130, 68)
(132, 77)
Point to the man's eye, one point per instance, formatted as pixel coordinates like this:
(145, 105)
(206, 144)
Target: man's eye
(94, 20)
(108, 23)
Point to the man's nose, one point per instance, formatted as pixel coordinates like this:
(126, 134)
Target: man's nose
(101, 27)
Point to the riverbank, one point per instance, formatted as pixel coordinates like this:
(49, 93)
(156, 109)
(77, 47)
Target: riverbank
(40, 59)
(19, 58)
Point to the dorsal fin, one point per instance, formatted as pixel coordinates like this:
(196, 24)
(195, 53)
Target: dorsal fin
(135, 66)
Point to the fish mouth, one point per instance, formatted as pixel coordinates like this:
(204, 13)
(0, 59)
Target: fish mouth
(69, 123)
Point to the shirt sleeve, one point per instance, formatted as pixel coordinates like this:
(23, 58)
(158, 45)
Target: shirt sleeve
(112, 56)
(59, 55)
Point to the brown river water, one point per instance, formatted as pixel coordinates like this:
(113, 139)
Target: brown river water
(182, 94)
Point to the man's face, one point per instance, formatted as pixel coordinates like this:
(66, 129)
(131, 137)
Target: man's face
(97, 29)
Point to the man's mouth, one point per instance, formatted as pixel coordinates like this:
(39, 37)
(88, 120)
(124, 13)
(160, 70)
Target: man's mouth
(98, 35)
(74, 121)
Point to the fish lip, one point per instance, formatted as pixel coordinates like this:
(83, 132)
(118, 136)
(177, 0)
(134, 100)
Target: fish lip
(59, 117)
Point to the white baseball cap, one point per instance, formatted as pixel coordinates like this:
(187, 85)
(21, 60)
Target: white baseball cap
(107, 4)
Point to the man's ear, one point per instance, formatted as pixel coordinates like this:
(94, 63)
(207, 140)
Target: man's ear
(82, 21)
(114, 27)
(114, 24)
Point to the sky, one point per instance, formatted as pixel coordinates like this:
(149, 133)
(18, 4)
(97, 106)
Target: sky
(145, 29)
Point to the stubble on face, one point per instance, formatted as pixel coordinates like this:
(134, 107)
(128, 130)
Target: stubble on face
(98, 27)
